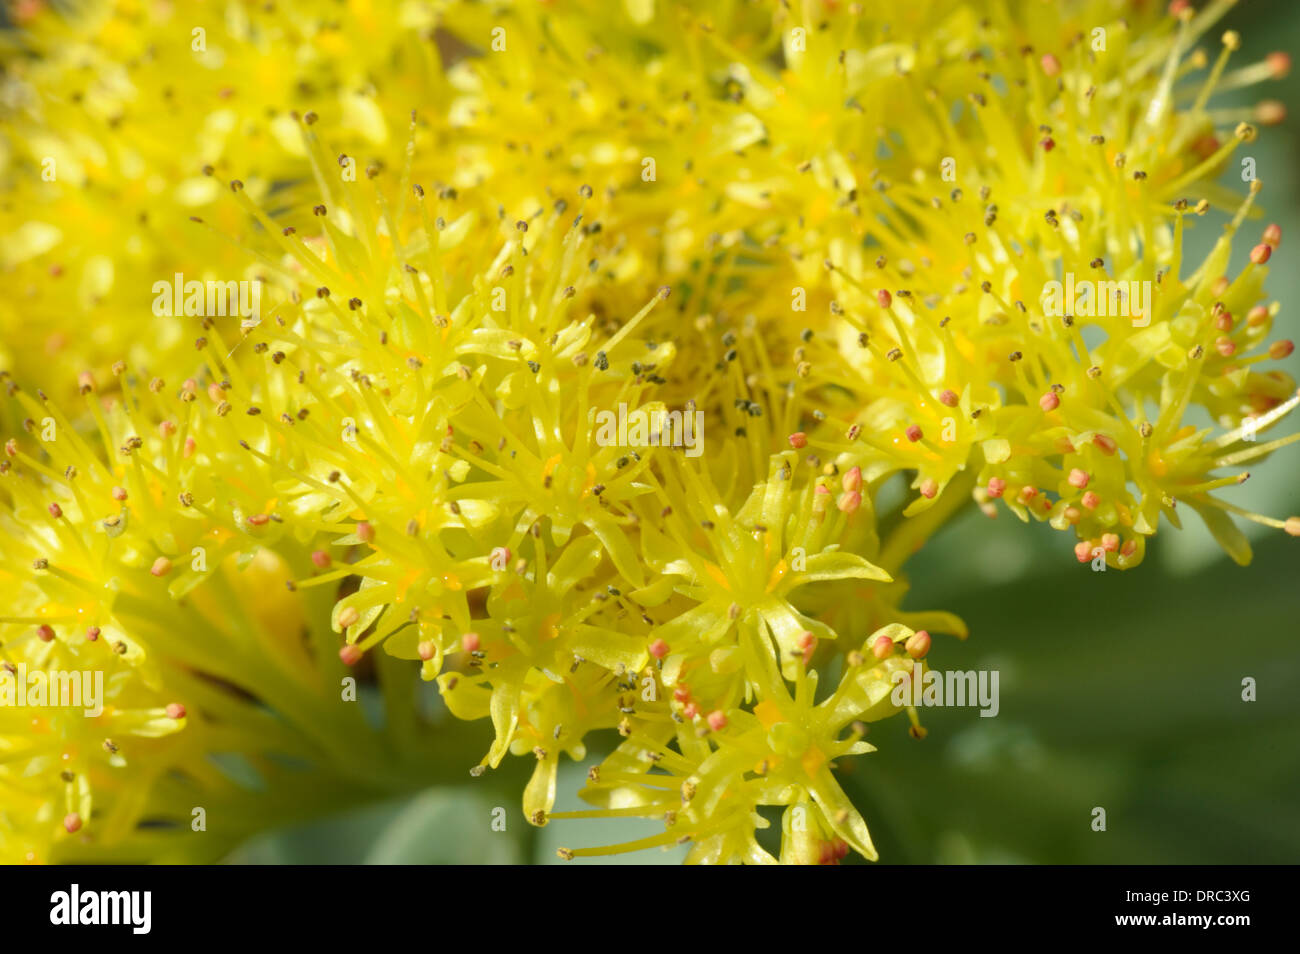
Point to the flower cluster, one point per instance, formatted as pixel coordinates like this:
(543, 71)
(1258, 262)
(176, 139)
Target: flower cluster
(804, 251)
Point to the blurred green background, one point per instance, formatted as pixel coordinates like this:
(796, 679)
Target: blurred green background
(1118, 690)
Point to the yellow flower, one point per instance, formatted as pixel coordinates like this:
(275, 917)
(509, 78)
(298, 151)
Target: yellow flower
(707, 790)
(846, 239)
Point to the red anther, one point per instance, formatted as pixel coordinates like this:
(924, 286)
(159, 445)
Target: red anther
(1107, 445)
(470, 642)
(365, 532)
(1273, 235)
(1051, 65)
(949, 398)
(1225, 347)
(348, 616)
(841, 848)
(350, 654)
(1110, 542)
(682, 694)
(1063, 446)
(175, 710)
(717, 720)
(798, 440)
(215, 394)
(190, 446)
(918, 644)
(884, 298)
(161, 567)
(320, 558)
(929, 487)
(659, 649)
(1049, 401)
(997, 486)
(1178, 7)
(119, 493)
(167, 428)
(1224, 321)
(259, 519)
(852, 479)
(1072, 515)
(45, 633)
(1090, 500)
(1292, 526)
(55, 511)
(1219, 286)
(690, 710)
(72, 822)
(1078, 478)
(427, 649)
(1279, 64)
(92, 633)
(1261, 253)
(1205, 146)
(883, 647)
(1083, 551)
(1270, 112)
(1048, 144)
(1129, 548)
(913, 433)
(1027, 493)
(850, 502)
(1257, 316)
(1280, 349)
